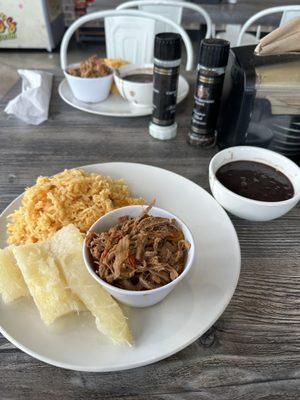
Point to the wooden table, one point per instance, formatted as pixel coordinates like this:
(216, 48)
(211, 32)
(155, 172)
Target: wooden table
(252, 352)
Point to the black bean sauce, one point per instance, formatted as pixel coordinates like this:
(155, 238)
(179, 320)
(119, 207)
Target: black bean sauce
(255, 180)
(139, 78)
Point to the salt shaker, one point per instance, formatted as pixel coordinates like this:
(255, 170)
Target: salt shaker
(167, 59)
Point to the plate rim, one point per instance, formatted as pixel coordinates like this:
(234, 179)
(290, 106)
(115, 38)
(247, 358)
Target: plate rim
(124, 366)
(145, 110)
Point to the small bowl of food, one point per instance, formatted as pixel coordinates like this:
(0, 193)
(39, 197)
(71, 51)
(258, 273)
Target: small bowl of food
(90, 80)
(139, 254)
(135, 83)
(254, 183)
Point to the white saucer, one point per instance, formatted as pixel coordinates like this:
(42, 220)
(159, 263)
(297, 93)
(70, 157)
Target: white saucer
(115, 105)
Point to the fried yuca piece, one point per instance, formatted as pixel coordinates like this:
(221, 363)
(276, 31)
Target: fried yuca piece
(66, 245)
(12, 284)
(45, 282)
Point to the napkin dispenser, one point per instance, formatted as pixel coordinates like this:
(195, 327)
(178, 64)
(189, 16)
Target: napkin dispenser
(261, 102)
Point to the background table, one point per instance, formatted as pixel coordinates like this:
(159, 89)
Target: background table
(252, 352)
(220, 13)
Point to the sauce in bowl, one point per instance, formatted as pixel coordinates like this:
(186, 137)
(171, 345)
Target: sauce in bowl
(256, 181)
(139, 78)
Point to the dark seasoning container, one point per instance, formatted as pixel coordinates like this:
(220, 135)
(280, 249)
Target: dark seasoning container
(167, 59)
(213, 58)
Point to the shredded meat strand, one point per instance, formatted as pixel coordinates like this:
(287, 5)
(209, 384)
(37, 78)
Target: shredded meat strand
(140, 253)
(92, 67)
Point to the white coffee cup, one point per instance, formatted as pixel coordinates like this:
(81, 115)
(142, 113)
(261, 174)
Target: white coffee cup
(138, 93)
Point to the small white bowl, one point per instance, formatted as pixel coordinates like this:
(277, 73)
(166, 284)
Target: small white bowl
(253, 210)
(138, 93)
(143, 298)
(89, 90)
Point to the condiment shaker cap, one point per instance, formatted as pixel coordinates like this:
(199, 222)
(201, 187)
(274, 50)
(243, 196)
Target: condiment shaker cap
(167, 46)
(214, 53)
(163, 132)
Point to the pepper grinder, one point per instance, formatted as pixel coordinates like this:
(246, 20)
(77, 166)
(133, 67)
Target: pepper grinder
(213, 58)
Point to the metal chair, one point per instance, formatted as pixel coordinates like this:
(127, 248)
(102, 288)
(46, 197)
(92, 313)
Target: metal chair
(136, 38)
(170, 8)
(288, 13)
(173, 13)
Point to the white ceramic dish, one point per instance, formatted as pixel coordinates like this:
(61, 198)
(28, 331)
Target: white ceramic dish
(242, 207)
(161, 330)
(138, 93)
(144, 298)
(115, 105)
(92, 90)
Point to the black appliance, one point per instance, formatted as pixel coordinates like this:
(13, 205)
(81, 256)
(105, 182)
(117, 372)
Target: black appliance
(261, 102)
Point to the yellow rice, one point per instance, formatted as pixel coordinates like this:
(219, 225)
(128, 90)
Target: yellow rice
(72, 196)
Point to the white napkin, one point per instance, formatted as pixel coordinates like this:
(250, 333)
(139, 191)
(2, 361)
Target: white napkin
(32, 104)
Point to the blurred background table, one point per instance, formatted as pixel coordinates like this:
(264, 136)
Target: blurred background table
(225, 14)
(253, 350)
(222, 12)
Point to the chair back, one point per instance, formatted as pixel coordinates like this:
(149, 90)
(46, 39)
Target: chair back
(288, 15)
(286, 10)
(130, 38)
(125, 52)
(163, 6)
(173, 13)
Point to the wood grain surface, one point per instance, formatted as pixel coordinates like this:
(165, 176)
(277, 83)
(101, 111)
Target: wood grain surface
(252, 352)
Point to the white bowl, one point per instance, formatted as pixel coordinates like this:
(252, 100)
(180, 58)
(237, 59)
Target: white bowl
(137, 93)
(143, 298)
(89, 90)
(253, 210)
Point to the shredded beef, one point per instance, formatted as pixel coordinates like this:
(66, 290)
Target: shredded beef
(140, 253)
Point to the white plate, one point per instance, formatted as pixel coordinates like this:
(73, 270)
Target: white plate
(195, 304)
(115, 105)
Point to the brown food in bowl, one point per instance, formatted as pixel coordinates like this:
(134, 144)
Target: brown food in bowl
(140, 253)
(92, 67)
